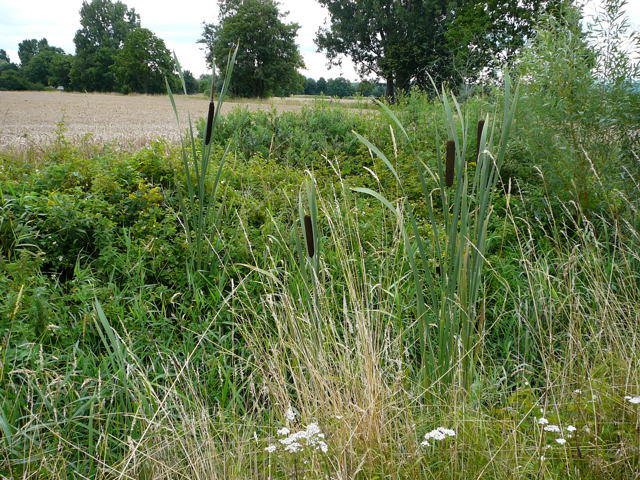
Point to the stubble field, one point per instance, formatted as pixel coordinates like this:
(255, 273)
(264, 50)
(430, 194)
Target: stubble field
(31, 119)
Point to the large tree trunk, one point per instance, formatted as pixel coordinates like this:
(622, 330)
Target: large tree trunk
(390, 94)
(403, 82)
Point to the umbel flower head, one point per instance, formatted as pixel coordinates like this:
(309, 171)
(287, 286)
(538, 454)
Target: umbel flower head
(311, 438)
(438, 434)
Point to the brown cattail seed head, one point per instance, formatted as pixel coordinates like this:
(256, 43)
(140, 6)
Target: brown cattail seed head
(308, 233)
(212, 111)
(451, 161)
(478, 137)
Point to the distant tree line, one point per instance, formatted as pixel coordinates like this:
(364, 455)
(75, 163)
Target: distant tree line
(113, 53)
(340, 87)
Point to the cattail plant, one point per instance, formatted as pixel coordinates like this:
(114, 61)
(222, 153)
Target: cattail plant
(309, 222)
(198, 218)
(210, 117)
(450, 163)
(478, 138)
(449, 299)
(308, 233)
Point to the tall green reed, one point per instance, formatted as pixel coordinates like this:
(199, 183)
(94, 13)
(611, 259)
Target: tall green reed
(199, 219)
(447, 265)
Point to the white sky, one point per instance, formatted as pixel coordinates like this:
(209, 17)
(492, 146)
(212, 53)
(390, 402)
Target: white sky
(179, 24)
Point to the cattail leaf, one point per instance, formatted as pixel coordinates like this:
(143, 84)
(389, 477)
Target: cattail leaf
(376, 195)
(379, 154)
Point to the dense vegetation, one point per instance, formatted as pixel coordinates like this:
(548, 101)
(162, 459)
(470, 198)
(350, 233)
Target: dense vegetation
(330, 293)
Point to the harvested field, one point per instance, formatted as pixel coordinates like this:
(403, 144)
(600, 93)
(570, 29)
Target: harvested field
(30, 119)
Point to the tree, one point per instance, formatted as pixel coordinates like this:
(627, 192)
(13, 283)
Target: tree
(485, 35)
(14, 80)
(366, 88)
(59, 70)
(321, 86)
(5, 66)
(142, 63)
(3, 56)
(413, 41)
(392, 39)
(339, 87)
(37, 68)
(49, 67)
(27, 49)
(310, 86)
(295, 87)
(190, 82)
(37, 58)
(105, 26)
(268, 55)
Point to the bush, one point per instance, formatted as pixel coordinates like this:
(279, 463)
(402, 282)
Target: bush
(14, 80)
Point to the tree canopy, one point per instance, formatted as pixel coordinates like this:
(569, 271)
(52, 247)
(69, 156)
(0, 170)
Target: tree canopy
(142, 63)
(105, 26)
(413, 41)
(268, 56)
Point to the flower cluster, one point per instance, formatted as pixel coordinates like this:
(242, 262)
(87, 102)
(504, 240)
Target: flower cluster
(633, 400)
(439, 433)
(551, 428)
(310, 438)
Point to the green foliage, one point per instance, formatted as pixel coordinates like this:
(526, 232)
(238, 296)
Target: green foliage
(49, 67)
(118, 358)
(28, 49)
(104, 28)
(191, 84)
(3, 56)
(321, 86)
(487, 35)
(419, 41)
(142, 64)
(12, 79)
(310, 87)
(302, 139)
(268, 55)
(578, 111)
(339, 87)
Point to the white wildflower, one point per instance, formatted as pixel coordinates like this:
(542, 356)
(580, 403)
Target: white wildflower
(561, 441)
(271, 448)
(313, 429)
(634, 400)
(283, 431)
(439, 433)
(293, 447)
(577, 391)
(290, 414)
(311, 437)
(552, 428)
(571, 428)
(542, 421)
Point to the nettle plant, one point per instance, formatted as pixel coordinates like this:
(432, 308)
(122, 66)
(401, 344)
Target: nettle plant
(447, 265)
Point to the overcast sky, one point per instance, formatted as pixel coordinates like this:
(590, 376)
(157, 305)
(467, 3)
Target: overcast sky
(179, 24)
